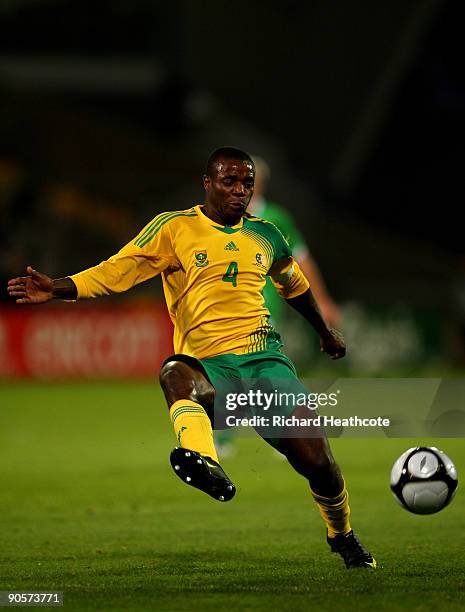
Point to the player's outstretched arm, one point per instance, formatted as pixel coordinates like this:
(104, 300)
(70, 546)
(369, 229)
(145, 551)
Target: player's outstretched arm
(38, 288)
(331, 340)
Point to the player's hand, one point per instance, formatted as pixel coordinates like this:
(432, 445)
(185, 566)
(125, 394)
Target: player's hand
(34, 289)
(333, 344)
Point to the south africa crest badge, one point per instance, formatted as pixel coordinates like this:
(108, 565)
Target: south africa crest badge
(201, 259)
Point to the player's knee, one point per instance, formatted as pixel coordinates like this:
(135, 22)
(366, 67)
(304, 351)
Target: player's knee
(319, 455)
(175, 378)
(206, 395)
(309, 456)
(167, 372)
(180, 381)
(320, 462)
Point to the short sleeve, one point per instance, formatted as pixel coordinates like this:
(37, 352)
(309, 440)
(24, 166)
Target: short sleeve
(288, 278)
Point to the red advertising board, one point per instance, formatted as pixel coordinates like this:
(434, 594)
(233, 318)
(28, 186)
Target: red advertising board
(83, 341)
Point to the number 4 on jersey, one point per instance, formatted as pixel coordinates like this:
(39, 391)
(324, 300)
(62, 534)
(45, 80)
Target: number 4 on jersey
(231, 274)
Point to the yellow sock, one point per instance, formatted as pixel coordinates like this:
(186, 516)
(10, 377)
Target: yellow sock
(193, 428)
(335, 512)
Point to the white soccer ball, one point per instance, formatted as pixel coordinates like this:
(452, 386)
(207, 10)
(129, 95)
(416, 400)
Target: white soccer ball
(423, 480)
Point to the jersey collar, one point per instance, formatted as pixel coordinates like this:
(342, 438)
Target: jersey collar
(226, 229)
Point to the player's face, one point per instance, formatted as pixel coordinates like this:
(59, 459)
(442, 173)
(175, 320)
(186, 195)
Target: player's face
(229, 191)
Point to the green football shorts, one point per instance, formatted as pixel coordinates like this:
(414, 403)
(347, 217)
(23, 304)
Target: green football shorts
(261, 384)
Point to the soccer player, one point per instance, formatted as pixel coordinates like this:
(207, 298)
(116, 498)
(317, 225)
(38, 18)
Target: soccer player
(213, 259)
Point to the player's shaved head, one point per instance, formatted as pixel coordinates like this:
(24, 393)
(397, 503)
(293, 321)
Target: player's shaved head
(226, 153)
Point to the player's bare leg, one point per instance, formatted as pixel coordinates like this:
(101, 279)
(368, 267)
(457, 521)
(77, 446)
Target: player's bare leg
(311, 456)
(190, 397)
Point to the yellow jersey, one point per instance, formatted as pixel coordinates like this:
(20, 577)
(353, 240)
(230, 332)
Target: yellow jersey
(213, 277)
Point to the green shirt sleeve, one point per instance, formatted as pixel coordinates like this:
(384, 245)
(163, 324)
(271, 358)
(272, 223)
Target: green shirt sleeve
(279, 216)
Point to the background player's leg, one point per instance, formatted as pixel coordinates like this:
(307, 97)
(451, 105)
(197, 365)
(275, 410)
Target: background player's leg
(225, 444)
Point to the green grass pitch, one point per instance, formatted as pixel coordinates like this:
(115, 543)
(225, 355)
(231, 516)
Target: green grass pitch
(89, 506)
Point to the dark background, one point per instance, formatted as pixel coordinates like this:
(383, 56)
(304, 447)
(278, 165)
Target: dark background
(110, 109)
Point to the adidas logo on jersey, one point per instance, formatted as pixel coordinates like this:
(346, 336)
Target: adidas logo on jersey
(231, 247)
